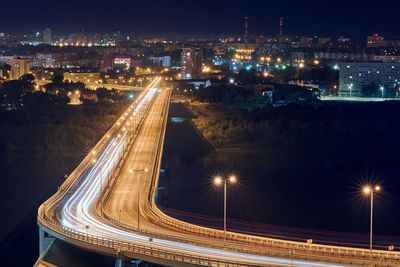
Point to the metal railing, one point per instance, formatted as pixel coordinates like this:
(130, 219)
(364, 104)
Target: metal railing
(130, 247)
(315, 249)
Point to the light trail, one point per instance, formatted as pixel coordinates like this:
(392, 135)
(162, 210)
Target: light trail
(75, 205)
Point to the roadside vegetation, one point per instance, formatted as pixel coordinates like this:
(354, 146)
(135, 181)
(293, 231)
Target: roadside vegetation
(343, 126)
(44, 128)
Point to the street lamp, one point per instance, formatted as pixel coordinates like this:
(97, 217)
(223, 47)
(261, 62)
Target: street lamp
(138, 193)
(350, 86)
(382, 90)
(368, 190)
(219, 180)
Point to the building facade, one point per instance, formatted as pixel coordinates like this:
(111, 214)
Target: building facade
(47, 36)
(164, 61)
(191, 63)
(84, 77)
(353, 76)
(375, 41)
(19, 67)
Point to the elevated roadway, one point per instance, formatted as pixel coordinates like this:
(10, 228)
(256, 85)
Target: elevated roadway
(94, 86)
(107, 205)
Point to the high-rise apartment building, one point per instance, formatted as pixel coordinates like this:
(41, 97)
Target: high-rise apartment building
(323, 41)
(375, 41)
(306, 41)
(353, 76)
(343, 39)
(191, 63)
(19, 67)
(47, 36)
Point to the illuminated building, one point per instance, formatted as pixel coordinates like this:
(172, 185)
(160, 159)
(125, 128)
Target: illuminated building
(191, 63)
(323, 41)
(375, 41)
(353, 76)
(19, 68)
(306, 41)
(164, 61)
(85, 77)
(242, 57)
(343, 39)
(43, 60)
(47, 36)
(124, 62)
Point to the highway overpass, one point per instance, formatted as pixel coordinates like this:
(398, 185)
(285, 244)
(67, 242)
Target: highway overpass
(107, 206)
(94, 86)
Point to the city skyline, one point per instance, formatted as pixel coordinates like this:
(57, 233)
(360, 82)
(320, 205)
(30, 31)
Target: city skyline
(353, 19)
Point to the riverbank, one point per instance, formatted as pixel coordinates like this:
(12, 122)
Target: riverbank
(302, 168)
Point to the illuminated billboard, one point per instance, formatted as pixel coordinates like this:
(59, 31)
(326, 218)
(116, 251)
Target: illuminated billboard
(123, 61)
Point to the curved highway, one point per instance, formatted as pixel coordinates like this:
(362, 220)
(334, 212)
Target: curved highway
(107, 205)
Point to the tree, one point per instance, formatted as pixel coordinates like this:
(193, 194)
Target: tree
(102, 94)
(292, 93)
(370, 90)
(239, 99)
(58, 78)
(282, 76)
(13, 90)
(247, 76)
(27, 77)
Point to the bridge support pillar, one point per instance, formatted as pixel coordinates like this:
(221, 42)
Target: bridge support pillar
(136, 262)
(118, 263)
(45, 240)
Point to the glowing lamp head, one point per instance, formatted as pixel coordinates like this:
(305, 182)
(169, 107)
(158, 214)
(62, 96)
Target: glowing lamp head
(130, 170)
(377, 188)
(367, 190)
(218, 180)
(232, 179)
(146, 170)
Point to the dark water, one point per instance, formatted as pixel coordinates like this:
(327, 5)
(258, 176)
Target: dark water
(27, 182)
(299, 188)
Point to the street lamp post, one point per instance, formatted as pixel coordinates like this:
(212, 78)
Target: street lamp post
(382, 90)
(138, 194)
(218, 180)
(368, 190)
(350, 86)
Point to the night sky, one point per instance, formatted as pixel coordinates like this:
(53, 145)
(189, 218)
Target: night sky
(353, 18)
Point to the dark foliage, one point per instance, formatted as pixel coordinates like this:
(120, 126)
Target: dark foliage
(46, 125)
(292, 94)
(362, 125)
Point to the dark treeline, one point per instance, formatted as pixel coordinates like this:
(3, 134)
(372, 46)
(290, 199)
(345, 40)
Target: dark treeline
(237, 95)
(223, 94)
(334, 125)
(45, 128)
